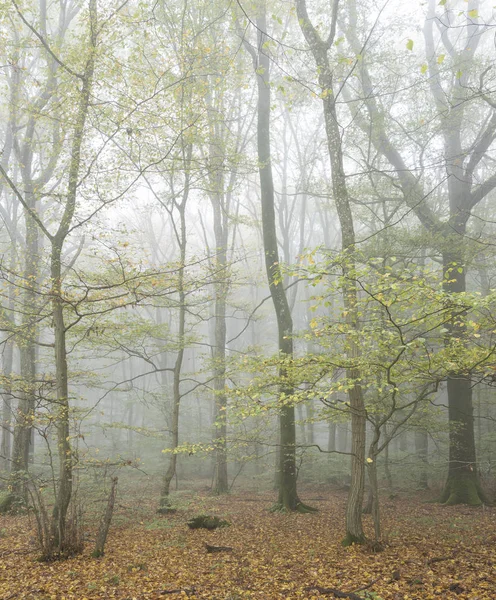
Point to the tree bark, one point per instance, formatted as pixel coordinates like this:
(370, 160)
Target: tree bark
(320, 49)
(176, 376)
(464, 192)
(288, 498)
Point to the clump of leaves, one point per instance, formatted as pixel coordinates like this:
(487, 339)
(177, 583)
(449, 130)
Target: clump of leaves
(207, 522)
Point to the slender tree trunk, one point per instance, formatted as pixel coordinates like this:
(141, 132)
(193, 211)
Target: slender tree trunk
(62, 405)
(331, 440)
(422, 452)
(24, 415)
(176, 379)
(288, 498)
(320, 49)
(62, 416)
(221, 485)
(7, 362)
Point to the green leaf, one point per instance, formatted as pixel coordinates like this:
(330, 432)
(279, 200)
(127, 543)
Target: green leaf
(473, 14)
(442, 2)
(440, 58)
(423, 68)
(409, 45)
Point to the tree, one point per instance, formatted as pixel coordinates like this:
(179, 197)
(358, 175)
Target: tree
(454, 86)
(320, 50)
(288, 499)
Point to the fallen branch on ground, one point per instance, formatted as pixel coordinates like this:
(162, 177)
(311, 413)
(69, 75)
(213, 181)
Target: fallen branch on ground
(211, 549)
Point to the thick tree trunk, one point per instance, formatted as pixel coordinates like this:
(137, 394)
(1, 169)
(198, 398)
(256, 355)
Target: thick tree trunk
(462, 485)
(465, 192)
(62, 405)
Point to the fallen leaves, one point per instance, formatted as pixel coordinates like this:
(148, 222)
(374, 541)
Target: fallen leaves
(431, 552)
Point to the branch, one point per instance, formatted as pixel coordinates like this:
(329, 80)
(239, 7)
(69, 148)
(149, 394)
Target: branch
(45, 44)
(26, 207)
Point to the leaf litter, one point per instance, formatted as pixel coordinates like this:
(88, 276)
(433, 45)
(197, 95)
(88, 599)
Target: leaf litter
(430, 552)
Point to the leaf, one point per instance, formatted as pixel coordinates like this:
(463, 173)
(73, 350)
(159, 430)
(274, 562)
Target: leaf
(409, 45)
(423, 68)
(473, 14)
(440, 58)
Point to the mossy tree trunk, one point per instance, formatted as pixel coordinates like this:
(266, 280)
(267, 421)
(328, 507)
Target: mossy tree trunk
(320, 50)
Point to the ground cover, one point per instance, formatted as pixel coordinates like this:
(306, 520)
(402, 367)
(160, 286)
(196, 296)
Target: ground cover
(431, 551)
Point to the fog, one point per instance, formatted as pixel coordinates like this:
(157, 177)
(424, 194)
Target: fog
(247, 246)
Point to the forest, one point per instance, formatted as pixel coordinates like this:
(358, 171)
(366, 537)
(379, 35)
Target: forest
(247, 299)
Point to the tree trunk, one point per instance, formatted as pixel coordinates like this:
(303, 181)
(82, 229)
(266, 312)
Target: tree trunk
(319, 49)
(288, 498)
(24, 415)
(422, 452)
(176, 382)
(462, 485)
(101, 536)
(331, 440)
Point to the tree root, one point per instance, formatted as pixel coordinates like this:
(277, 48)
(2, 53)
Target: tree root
(299, 508)
(350, 539)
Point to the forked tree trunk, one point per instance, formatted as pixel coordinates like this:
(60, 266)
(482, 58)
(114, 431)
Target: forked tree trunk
(62, 405)
(465, 190)
(320, 48)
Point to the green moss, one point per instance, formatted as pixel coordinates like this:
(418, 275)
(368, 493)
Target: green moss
(207, 522)
(350, 539)
(304, 508)
(462, 488)
(6, 502)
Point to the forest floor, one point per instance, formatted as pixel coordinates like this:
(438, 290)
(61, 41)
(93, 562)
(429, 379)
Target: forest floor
(431, 551)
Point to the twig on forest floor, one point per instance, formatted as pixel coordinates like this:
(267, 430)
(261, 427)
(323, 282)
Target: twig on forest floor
(339, 593)
(436, 559)
(366, 587)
